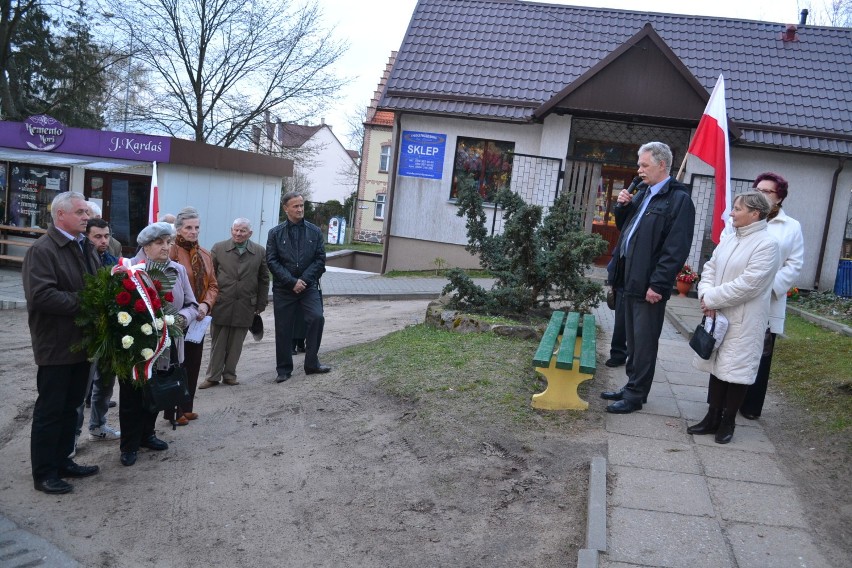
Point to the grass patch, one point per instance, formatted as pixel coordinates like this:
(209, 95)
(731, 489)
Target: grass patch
(477, 377)
(473, 273)
(813, 368)
(364, 247)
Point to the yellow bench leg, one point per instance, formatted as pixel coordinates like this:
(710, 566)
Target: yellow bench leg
(561, 391)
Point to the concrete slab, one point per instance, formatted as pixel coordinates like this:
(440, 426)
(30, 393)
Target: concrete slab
(749, 439)
(664, 491)
(596, 509)
(722, 463)
(661, 405)
(691, 410)
(778, 547)
(660, 388)
(633, 451)
(749, 502)
(689, 392)
(21, 548)
(647, 426)
(684, 377)
(652, 538)
(6, 524)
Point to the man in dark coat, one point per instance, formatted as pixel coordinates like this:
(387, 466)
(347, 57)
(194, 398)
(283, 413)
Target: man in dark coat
(296, 257)
(52, 276)
(243, 278)
(656, 235)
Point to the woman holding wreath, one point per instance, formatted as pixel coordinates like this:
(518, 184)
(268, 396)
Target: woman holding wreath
(198, 264)
(737, 282)
(137, 423)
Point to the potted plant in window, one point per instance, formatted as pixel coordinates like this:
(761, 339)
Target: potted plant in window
(685, 279)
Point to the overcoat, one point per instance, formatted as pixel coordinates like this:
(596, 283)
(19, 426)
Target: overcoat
(52, 276)
(211, 287)
(243, 283)
(737, 281)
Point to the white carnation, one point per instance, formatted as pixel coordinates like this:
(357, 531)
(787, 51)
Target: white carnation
(147, 353)
(124, 318)
(170, 320)
(147, 329)
(126, 341)
(158, 323)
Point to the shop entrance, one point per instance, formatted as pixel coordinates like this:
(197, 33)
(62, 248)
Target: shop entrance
(124, 200)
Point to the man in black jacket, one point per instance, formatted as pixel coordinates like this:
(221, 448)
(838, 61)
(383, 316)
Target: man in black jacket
(296, 258)
(656, 235)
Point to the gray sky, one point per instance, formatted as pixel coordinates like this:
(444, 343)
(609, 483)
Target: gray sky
(374, 28)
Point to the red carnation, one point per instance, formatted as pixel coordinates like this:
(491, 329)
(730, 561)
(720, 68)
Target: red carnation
(123, 298)
(158, 285)
(128, 284)
(155, 303)
(169, 297)
(140, 306)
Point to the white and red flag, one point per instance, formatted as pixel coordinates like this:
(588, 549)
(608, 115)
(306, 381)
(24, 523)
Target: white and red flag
(710, 145)
(154, 198)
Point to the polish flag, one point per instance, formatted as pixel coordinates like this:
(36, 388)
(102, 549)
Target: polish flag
(710, 145)
(154, 198)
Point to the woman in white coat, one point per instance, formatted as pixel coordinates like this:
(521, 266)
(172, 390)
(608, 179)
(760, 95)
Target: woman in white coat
(737, 281)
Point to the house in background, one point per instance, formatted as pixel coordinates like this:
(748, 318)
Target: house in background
(369, 215)
(324, 168)
(551, 98)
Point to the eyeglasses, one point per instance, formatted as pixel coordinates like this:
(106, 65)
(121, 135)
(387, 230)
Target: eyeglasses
(767, 191)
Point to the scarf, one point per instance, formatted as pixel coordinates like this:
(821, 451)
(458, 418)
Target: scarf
(197, 264)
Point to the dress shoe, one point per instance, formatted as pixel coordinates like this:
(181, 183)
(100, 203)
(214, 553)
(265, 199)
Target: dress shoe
(314, 370)
(180, 420)
(624, 407)
(112, 404)
(749, 416)
(190, 415)
(615, 362)
(284, 377)
(128, 458)
(231, 382)
(710, 423)
(208, 383)
(154, 443)
(618, 395)
(53, 486)
(72, 469)
(725, 433)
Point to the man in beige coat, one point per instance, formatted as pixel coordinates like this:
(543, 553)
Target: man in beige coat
(243, 278)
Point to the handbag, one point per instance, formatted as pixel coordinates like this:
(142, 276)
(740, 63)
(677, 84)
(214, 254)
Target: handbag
(702, 341)
(166, 390)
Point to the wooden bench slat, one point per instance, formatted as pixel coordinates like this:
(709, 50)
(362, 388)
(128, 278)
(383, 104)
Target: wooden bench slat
(548, 341)
(565, 358)
(588, 351)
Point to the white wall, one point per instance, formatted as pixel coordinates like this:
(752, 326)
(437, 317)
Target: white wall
(331, 170)
(221, 197)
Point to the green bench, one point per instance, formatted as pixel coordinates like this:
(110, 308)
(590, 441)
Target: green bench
(566, 356)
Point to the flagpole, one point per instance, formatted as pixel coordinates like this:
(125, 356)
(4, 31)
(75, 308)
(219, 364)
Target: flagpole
(679, 175)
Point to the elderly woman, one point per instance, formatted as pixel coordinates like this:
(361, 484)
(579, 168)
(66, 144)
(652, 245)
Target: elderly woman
(137, 424)
(791, 251)
(199, 267)
(737, 282)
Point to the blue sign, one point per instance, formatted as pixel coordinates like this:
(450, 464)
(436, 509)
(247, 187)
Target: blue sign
(422, 154)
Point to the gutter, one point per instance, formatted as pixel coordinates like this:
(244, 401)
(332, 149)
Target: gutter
(840, 163)
(395, 143)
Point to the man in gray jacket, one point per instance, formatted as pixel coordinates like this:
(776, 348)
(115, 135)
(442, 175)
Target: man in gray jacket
(243, 279)
(53, 275)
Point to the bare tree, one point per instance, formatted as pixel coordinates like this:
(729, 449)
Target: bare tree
(218, 66)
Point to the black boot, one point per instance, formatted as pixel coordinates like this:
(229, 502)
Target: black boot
(726, 428)
(709, 424)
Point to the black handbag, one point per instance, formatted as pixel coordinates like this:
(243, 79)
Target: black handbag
(167, 388)
(702, 341)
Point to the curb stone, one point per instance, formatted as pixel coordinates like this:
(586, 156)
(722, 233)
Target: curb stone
(596, 516)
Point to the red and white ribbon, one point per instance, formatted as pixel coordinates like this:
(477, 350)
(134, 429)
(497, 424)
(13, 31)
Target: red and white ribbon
(136, 272)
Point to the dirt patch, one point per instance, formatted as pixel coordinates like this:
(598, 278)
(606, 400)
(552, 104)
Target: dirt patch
(820, 467)
(327, 471)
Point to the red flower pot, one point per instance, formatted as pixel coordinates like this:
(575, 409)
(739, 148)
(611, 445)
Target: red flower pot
(683, 288)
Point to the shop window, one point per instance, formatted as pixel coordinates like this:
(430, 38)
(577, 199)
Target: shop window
(31, 190)
(384, 159)
(485, 163)
(380, 206)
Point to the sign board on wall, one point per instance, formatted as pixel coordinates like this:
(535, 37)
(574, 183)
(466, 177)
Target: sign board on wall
(422, 154)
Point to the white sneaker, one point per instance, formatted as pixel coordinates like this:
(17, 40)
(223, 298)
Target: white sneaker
(104, 434)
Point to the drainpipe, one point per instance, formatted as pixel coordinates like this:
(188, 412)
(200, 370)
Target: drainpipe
(391, 188)
(840, 164)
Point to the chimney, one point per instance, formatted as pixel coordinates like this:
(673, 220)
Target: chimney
(804, 17)
(790, 33)
(322, 121)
